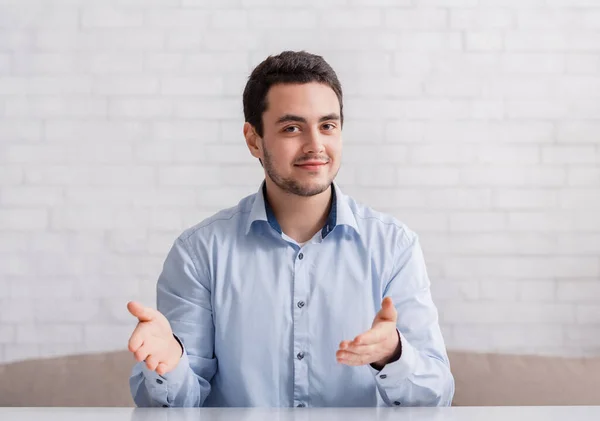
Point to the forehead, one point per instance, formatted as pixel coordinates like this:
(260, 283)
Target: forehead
(307, 100)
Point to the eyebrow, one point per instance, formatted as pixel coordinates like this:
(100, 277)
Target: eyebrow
(291, 117)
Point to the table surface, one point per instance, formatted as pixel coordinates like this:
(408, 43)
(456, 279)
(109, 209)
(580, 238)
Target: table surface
(528, 413)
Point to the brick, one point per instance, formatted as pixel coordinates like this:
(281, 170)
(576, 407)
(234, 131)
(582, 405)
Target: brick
(18, 352)
(484, 41)
(477, 221)
(382, 86)
(521, 154)
(481, 18)
(121, 85)
(442, 154)
(97, 131)
(412, 63)
(294, 19)
(435, 176)
(217, 62)
(582, 63)
(509, 175)
(451, 86)
(142, 108)
(7, 334)
(43, 63)
(45, 85)
(423, 221)
(226, 109)
(20, 130)
(11, 175)
(360, 154)
(445, 290)
(188, 176)
(178, 130)
(540, 335)
(16, 40)
(421, 19)
(578, 291)
(30, 196)
(376, 175)
(588, 314)
(579, 198)
(533, 109)
(24, 219)
(582, 176)
(537, 290)
(353, 19)
(568, 154)
(108, 335)
(459, 198)
(492, 313)
(111, 18)
(176, 18)
(524, 199)
(395, 131)
(361, 63)
(198, 86)
(538, 40)
(229, 19)
(549, 19)
(541, 221)
(42, 107)
(535, 63)
(16, 311)
(44, 333)
(577, 132)
(430, 41)
(32, 17)
(112, 63)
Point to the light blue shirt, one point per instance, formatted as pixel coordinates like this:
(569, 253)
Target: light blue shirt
(261, 317)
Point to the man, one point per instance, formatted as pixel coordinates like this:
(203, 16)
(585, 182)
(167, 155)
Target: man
(298, 296)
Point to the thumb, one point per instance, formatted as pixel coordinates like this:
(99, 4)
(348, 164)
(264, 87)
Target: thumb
(142, 313)
(388, 311)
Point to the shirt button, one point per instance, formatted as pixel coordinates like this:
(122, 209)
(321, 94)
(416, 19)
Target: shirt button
(383, 376)
(159, 381)
(300, 405)
(396, 403)
(300, 355)
(300, 304)
(301, 256)
(165, 406)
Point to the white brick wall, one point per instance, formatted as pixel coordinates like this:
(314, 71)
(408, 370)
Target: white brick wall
(477, 122)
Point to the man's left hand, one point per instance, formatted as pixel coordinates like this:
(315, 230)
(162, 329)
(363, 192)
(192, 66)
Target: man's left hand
(376, 346)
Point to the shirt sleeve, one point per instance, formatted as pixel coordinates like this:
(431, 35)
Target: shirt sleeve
(183, 296)
(421, 376)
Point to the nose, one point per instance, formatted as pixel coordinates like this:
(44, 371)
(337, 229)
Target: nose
(314, 142)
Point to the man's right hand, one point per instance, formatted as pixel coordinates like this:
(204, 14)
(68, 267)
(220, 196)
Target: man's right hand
(152, 340)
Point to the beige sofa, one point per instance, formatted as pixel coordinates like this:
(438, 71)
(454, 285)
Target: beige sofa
(481, 380)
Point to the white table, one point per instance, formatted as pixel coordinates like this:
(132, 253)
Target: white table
(547, 413)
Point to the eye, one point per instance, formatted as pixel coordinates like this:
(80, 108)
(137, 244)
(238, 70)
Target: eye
(291, 129)
(328, 126)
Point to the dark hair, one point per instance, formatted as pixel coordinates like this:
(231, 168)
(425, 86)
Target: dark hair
(287, 67)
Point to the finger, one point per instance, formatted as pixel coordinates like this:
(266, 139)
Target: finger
(372, 336)
(161, 369)
(136, 340)
(388, 311)
(350, 358)
(144, 314)
(151, 362)
(142, 353)
(363, 349)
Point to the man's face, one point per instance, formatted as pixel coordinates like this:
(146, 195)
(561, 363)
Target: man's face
(302, 138)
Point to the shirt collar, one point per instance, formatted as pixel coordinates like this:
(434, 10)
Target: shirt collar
(340, 213)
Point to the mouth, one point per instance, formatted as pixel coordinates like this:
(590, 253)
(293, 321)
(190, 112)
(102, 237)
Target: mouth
(312, 166)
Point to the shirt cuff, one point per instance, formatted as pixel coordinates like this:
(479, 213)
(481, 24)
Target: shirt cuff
(173, 377)
(396, 372)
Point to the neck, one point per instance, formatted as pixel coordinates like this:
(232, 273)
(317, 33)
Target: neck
(299, 217)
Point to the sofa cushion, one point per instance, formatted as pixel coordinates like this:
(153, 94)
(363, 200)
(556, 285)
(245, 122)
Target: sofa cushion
(76, 380)
(500, 379)
(481, 380)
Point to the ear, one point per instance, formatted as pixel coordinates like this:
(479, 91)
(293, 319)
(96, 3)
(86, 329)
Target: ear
(253, 140)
